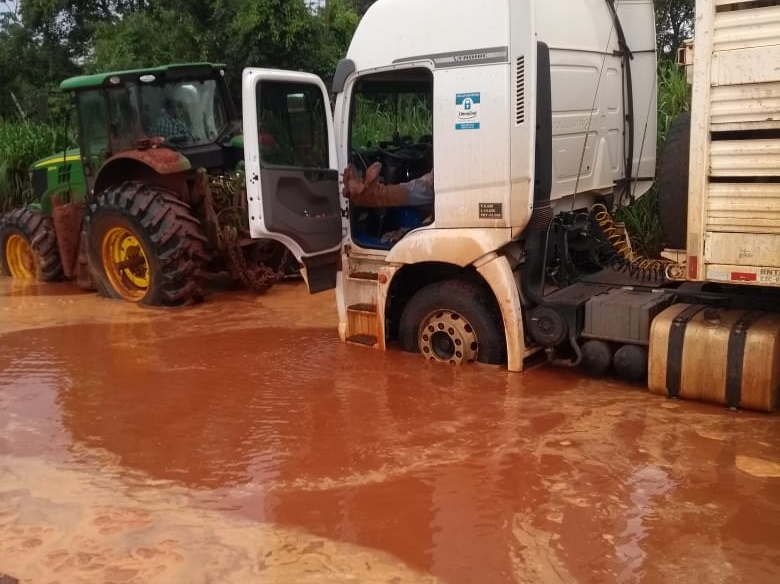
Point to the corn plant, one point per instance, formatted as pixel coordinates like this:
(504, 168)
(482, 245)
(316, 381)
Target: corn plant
(674, 97)
(377, 120)
(21, 144)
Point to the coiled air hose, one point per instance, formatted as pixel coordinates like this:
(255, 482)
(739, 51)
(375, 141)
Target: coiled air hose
(624, 258)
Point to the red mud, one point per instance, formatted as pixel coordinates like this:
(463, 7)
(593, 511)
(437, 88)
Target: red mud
(241, 441)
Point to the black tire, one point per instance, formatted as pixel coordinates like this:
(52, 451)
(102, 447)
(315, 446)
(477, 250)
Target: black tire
(37, 229)
(673, 182)
(169, 240)
(457, 302)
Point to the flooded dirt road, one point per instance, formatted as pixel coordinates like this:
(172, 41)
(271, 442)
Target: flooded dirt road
(240, 442)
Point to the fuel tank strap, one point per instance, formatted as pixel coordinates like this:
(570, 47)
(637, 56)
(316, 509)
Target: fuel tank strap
(674, 350)
(736, 357)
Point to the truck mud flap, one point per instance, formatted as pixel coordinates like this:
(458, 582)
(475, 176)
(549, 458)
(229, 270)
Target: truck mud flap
(320, 271)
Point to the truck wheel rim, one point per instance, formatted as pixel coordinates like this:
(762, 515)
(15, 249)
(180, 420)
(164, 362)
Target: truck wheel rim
(125, 263)
(447, 337)
(19, 257)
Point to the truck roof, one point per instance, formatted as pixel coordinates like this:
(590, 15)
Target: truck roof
(173, 71)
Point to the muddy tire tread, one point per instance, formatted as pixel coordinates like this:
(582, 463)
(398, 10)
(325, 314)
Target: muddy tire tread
(178, 243)
(38, 228)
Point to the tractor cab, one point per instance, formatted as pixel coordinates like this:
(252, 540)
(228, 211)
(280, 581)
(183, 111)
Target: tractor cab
(186, 108)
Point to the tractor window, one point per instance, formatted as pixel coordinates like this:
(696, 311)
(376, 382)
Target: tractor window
(93, 118)
(188, 113)
(123, 120)
(293, 128)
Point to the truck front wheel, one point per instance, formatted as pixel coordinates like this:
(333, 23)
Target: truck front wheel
(28, 246)
(453, 322)
(145, 246)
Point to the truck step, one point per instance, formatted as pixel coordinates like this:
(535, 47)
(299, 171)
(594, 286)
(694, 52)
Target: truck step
(362, 323)
(368, 340)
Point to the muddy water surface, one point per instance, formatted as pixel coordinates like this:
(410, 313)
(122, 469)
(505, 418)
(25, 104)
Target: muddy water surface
(240, 442)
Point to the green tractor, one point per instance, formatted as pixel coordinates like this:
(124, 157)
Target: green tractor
(152, 205)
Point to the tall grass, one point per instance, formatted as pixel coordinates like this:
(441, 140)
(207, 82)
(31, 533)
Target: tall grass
(641, 217)
(378, 120)
(674, 97)
(21, 144)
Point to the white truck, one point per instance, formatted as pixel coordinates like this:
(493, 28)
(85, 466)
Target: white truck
(539, 116)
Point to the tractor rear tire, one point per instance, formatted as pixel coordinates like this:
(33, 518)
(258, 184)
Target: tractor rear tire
(673, 182)
(453, 322)
(145, 246)
(28, 246)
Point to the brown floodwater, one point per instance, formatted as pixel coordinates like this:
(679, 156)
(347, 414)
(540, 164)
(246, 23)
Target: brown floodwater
(240, 441)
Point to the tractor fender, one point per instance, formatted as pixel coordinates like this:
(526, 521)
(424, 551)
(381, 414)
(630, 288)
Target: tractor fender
(161, 166)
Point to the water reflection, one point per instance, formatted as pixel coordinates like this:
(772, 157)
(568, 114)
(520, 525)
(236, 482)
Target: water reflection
(469, 475)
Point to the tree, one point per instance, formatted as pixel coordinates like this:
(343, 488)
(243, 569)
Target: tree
(360, 6)
(27, 68)
(68, 23)
(146, 39)
(287, 34)
(337, 22)
(674, 24)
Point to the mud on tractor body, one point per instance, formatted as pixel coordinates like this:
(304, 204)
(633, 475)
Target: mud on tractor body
(153, 202)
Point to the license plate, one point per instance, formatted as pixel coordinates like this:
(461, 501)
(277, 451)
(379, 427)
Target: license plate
(769, 276)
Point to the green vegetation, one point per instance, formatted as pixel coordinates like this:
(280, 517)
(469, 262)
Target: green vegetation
(378, 120)
(673, 24)
(643, 225)
(21, 144)
(674, 97)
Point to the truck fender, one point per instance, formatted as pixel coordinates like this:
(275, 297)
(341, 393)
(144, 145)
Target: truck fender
(498, 274)
(460, 247)
(141, 164)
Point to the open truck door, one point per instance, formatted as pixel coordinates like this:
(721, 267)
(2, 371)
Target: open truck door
(292, 175)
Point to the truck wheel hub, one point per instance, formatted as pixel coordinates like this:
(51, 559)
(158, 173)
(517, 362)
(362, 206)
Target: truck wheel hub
(448, 337)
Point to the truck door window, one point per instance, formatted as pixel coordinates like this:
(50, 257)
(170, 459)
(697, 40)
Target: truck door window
(391, 123)
(293, 127)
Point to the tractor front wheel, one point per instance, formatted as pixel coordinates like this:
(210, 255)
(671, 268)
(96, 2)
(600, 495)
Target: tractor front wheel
(28, 246)
(145, 246)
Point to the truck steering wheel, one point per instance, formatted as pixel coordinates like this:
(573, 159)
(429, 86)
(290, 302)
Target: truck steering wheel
(413, 153)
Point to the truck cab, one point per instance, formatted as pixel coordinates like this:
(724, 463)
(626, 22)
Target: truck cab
(526, 110)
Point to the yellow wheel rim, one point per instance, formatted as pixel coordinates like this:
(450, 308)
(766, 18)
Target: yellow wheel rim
(125, 263)
(19, 257)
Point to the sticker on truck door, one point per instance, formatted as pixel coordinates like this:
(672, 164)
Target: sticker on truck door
(467, 111)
